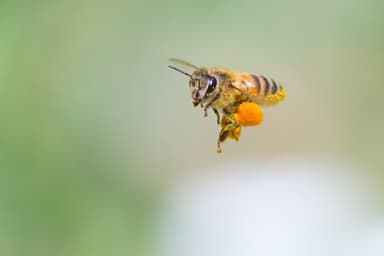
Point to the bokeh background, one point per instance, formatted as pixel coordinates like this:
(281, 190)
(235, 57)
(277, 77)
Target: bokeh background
(102, 152)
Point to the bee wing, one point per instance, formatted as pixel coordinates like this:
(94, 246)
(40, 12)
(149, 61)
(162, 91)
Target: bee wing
(250, 96)
(183, 64)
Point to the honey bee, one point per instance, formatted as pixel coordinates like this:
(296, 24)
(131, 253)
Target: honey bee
(236, 96)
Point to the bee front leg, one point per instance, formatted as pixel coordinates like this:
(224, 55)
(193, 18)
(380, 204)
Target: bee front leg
(209, 104)
(205, 109)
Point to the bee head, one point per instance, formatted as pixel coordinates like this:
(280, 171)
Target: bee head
(201, 84)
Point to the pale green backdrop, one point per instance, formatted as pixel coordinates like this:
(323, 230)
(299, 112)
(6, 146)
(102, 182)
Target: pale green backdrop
(94, 126)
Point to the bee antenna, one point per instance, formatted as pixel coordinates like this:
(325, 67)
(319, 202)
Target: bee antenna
(181, 71)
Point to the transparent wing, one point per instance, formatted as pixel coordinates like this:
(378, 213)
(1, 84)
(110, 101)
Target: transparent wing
(183, 64)
(253, 95)
(258, 99)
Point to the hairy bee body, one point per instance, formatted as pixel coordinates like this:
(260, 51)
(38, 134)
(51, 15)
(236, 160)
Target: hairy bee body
(224, 91)
(245, 87)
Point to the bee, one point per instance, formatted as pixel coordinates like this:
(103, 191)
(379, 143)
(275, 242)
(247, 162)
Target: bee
(236, 96)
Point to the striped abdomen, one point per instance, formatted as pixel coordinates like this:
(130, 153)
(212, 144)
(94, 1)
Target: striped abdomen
(264, 91)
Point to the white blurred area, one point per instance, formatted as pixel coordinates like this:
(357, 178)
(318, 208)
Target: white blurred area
(282, 207)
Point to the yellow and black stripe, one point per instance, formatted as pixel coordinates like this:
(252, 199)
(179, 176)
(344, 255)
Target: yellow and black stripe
(269, 92)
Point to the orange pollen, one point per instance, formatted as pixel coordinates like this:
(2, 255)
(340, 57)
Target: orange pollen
(249, 114)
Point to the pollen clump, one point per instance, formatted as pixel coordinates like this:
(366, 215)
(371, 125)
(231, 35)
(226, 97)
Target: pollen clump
(249, 114)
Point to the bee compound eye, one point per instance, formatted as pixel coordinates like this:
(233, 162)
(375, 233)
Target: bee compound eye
(212, 82)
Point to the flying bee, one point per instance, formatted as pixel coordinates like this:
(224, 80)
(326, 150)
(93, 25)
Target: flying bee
(225, 91)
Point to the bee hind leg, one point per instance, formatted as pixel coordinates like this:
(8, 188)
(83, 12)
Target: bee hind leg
(223, 135)
(230, 129)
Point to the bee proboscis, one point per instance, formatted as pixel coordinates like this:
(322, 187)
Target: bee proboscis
(229, 93)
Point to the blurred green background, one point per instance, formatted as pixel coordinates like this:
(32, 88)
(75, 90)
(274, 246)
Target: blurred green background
(94, 127)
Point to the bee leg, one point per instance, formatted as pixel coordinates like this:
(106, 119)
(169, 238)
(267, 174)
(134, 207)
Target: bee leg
(209, 104)
(205, 109)
(223, 135)
(217, 115)
(230, 128)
